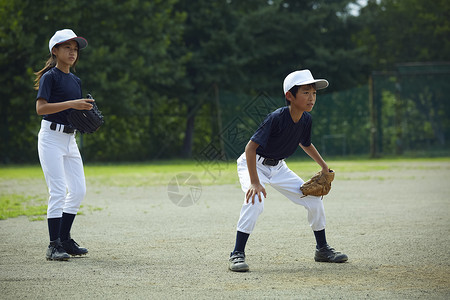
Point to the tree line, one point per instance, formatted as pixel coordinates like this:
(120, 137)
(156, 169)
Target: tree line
(169, 76)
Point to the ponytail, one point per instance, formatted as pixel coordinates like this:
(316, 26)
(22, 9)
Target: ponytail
(51, 62)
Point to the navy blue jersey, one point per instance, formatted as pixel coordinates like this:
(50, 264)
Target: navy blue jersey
(57, 86)
(278, 136)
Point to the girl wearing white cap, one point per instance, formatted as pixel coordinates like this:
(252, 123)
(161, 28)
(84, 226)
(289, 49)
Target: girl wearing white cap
(277, 138)
(59, 91)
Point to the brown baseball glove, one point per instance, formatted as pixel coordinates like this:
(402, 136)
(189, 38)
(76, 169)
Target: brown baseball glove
(319, 184)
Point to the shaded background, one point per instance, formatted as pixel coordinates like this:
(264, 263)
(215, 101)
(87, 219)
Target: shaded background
(193, 79)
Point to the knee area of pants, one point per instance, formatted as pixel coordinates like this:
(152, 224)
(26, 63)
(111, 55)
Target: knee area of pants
(257, 206)
(75, 202)
(58, 193)
(315, 203)
(316, 211)
(78, 193)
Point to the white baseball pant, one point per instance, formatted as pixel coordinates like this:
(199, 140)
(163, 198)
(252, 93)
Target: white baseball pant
(283, 180)
(63, 170)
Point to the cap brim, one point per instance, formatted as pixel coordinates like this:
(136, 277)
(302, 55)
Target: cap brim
(82, 42)
(319, 83)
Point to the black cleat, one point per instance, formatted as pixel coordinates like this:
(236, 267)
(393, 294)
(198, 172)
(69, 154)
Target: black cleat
(328, 254)
(73, 248)
(55, 251)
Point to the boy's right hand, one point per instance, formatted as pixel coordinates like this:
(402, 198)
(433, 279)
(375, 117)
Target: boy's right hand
(255, 189)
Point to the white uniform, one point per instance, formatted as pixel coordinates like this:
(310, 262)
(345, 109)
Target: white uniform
(283, 180)
(63, 170)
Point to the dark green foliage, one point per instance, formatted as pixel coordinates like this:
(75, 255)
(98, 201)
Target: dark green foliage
(170, 76)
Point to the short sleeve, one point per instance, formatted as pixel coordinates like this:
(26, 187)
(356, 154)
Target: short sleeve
(45, 87)
(262, 134)
(305, 139)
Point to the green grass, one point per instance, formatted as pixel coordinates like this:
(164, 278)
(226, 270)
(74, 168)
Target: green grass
(160, 173)
(13, 205)
(212, 173)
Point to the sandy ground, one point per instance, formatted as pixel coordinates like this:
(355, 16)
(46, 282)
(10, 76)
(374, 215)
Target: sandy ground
(394, 226)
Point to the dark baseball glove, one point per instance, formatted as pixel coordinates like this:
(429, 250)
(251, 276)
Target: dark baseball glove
(319, 184)
(86, 121)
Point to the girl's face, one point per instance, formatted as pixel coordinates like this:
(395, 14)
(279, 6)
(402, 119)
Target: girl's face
(305, 98)
(66, 53)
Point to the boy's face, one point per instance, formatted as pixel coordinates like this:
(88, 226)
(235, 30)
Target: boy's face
(305, 98)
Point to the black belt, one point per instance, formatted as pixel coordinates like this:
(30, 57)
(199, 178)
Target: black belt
(270, 161)
(66, 129)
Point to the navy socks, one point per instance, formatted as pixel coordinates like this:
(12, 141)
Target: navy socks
(54, 224)
(320, 238)
(66, 225)
(241, 241)
(60, 227)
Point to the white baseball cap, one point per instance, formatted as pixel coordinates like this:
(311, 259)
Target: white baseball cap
(302, 77)
(65, 35)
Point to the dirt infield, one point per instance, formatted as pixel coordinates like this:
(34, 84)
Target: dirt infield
(394, 226)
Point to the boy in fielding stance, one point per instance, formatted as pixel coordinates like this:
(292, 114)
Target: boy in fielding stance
(263, 163)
